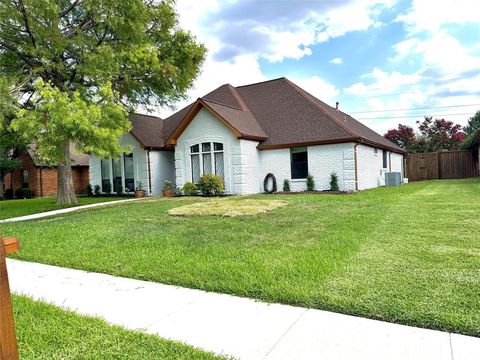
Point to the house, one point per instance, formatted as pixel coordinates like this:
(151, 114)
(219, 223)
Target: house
(42, 178)
(244, 133)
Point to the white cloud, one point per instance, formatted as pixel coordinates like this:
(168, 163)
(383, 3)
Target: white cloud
(431, 15)
(336, 61)
(319, 88)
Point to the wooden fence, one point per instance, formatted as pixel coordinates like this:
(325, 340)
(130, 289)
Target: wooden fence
(441, 165)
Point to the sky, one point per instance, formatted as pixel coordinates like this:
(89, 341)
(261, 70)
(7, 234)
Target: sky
(385, 61)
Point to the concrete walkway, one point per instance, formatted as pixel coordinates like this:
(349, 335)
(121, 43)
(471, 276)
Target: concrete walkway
(66, 210)
(231, 325)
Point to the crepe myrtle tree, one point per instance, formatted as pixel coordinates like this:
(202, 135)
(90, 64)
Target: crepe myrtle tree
(77, 67)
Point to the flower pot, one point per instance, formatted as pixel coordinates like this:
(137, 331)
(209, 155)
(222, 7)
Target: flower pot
(167, 192)
(139, 193)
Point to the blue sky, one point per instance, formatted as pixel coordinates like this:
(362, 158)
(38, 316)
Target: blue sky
(385, 61)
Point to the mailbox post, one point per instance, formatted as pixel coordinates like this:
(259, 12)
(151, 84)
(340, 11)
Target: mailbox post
(8, 340)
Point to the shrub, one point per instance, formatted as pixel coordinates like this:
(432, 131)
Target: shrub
(108, 188)
(189, 189)
(139, 186)
(8, 195)
(96, 190)
(167, 185)
(119, 191)
(210, 185)
(286, 185)
(334, 182)
(23, 193)
(89, 190)
(310, 183)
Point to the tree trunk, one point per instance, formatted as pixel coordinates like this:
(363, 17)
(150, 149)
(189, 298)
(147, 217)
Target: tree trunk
(65, 189)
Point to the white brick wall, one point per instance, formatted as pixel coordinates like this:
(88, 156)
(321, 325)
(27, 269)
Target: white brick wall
(162, 168)
(205, 128)
(322, 161)
(370, 166)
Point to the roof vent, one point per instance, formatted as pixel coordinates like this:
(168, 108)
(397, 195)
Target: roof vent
(336, 105)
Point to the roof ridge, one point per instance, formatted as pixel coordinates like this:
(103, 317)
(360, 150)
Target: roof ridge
(261, 82)
(237, 97)
(308, 97)
(221, 104)
(151, 116)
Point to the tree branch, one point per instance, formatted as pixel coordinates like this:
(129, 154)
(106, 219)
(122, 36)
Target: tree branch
(27, 25)
(70, 8)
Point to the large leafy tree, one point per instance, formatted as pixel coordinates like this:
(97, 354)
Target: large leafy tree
(78, 66)
(470, 129)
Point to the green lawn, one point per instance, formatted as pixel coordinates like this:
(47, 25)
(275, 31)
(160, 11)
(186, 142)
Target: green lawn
(15, 208)
(47, 332)
(409, 254)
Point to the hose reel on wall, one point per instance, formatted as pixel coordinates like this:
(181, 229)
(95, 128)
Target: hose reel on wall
(270, 183)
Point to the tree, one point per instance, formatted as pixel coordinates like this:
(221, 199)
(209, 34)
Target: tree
(403, 136)
(9, 142)
(434, 135)
(77, 67)
(440, 135)
(473, 124)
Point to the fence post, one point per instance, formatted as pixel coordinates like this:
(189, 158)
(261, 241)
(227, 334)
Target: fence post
(8, 339)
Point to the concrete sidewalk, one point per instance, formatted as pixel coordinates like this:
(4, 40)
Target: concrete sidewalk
(66, 210)
(231, 325)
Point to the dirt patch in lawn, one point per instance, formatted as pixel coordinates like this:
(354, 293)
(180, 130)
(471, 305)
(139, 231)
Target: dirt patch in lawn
(228, 207)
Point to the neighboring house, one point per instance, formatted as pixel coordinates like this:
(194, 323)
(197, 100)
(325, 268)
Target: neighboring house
(244, 133)
(41, 178)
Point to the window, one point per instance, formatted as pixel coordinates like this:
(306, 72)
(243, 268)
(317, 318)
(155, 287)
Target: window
(207, 161)
(25, 179)
(299, 163)
(385, 162)
(105, 167)
(117, 174)
(129, 176)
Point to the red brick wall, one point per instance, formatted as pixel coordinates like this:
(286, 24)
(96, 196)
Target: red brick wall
(46, 178)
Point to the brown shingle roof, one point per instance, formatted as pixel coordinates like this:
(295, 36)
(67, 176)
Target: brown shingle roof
(78, 159)
(280, 114)
(148, 130)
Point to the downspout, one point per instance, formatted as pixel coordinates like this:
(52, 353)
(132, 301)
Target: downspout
(149, 173)
(356, 166)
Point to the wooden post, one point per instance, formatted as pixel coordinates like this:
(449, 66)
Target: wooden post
(8, 339)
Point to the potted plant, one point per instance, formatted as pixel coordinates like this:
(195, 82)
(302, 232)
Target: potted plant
(139, 192)
(167, 189)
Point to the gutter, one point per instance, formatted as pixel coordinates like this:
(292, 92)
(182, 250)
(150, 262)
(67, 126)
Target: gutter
(149, 173)
(356, 165)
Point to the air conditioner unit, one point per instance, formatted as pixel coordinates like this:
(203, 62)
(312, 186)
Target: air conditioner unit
(393, 178)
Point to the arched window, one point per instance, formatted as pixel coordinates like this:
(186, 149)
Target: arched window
(206, 158)
(25, 183)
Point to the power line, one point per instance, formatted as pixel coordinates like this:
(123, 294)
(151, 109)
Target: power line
(412, 109)
(412, 116)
